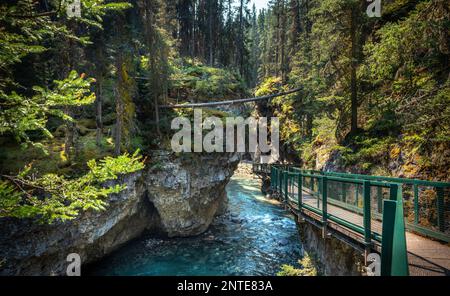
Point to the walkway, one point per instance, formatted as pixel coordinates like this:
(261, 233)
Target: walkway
(426, 257)
(361, 220)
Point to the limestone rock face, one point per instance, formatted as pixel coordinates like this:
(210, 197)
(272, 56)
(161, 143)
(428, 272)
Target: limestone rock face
(27, 248)
(178, 198)
(332, 257)
(188, 194)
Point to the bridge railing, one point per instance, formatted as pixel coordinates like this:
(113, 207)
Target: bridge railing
(426, 203)
(261, 168)
(355, 204)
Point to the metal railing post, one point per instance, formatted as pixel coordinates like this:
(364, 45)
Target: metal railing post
(275, 177)
(367, 214)
(288, 191)
(393, 191)
(324, 183)
(271, 178)
(416, 204)
(280, 179)
(324, 199)
(300, 191)
(344, 192)
(440, 204)
(380, 199)
(318, 195)
(286, 179)
(319, 187)
(280, 184)
(389, 209)
(388, 232)
(394, 257)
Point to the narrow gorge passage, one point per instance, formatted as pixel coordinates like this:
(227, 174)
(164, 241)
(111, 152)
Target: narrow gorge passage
(255, 237)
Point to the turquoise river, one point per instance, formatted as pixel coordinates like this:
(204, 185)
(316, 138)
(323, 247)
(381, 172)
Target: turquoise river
(256, 237)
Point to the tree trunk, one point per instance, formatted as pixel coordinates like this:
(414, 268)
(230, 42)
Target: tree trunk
(210, 33)
(119, 108)
(69, 140)
(98, 108)
(71, 127)
(158, 130)
(277, 40)
(241, 38)
(309, 126)
(283, 44)
(354, 65)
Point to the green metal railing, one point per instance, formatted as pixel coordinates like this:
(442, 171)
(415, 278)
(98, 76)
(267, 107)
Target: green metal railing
(426, 203)
(371, 208)
(378, 208)
(261, 168)
(316, 197)
(394, 256)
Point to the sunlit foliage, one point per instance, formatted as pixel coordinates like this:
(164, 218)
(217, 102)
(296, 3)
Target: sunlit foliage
(52, 197)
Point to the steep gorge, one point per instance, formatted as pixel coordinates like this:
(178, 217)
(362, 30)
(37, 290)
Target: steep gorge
(177, 198)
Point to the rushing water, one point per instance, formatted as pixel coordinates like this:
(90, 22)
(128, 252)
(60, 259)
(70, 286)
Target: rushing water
(255, 238)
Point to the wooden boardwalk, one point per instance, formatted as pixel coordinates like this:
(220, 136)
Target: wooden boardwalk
(426, 257)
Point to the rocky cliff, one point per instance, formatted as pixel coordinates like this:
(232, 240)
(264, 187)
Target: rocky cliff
(189, 192)
(331, 256)
(175, 196)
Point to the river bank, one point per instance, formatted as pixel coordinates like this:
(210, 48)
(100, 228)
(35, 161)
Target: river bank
(254, 237)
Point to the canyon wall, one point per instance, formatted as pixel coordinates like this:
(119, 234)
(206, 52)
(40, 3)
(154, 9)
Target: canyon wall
(174, 196)
(331, 256)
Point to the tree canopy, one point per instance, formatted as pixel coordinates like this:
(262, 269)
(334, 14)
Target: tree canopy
(80, 94)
